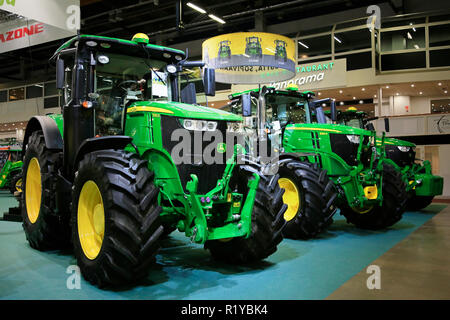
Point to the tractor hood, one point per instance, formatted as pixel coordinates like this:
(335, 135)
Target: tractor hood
(182, 110)
(329, 128)
(396, 142)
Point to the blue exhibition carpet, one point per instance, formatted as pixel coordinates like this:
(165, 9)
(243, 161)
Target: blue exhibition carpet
(298, 270)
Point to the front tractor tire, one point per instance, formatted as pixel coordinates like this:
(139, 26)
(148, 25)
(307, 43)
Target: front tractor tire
(267, 221)
(44, 228)
(115, 218)
(309, 195)
(392, 209)
(419, 202)
(16, 183)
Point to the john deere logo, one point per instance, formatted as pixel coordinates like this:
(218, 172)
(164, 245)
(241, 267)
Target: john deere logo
(221, 147)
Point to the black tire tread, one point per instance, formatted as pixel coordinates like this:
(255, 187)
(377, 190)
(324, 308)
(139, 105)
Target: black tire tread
(131, 213)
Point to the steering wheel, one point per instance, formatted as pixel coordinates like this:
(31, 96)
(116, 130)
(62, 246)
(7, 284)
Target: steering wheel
(127, 82)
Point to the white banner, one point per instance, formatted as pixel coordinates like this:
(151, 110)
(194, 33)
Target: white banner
(22, 33)
(63, 14)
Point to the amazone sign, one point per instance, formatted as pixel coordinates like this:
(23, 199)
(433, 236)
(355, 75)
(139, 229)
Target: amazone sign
(326, 74)
(21, 32)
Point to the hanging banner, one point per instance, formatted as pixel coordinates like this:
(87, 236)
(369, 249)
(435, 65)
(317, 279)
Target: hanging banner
(63, 14)
(250, 57)
(22, 33)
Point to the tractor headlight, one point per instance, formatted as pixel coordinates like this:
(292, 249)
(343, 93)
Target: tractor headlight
(353, 138)
(199, 125)
(403, 149)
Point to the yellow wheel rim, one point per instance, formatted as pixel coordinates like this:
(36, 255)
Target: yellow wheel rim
(33, 190)
(19, 185)
(291, 198)
(362, 210)
(91, 220)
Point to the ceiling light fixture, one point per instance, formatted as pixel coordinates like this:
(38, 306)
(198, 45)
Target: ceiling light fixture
(216, 18)
(338, 40)
(193, 6)
(304, 45)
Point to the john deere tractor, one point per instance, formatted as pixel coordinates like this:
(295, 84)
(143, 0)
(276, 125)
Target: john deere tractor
(421, 185)
(105, 176)
(224, 50)
(253, 47)
(11, 168)
(280, 50)
(371, 193)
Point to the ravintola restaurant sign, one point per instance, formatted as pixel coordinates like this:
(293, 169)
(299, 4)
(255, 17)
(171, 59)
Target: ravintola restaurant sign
(317, 75)
(38, 21)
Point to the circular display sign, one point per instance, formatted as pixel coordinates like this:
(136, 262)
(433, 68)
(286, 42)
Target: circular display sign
(250, 57)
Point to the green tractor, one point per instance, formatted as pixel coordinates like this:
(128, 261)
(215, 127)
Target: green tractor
(11, 168)
(224, 50)
(371, 193)
(280, 50)
(253, 47)
(106, 176)
(421, 185)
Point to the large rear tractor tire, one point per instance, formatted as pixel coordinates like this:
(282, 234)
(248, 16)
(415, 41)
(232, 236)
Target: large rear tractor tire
(115, 218)
(44, 228)
(392, 209)
(309, 195)
(419, 202)
(267, 221)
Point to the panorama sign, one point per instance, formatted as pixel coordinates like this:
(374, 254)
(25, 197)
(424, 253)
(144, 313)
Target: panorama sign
(318, 75)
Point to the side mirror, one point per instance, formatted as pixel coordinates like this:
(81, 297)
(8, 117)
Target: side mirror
(209, 81)
(246, 105)
(60, 74)
(188, 94)
(386, 124)
(333, 112)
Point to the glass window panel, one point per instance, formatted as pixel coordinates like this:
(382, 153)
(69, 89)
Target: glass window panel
(16, 94)
(403, 39)
(50, 89)
(51, 102)
(440, 35)
(440, 58)
(440, 106)
(352, 40)
(3, 96)
(312, 47)
(34, 91)
(356, 61)
(401, 61)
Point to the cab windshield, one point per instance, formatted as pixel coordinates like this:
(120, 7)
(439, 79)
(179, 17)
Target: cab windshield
(123, 79)
(286, 109)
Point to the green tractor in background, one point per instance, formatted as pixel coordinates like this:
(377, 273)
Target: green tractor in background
(224, 50)
(106, 176)
(253, 47)
(11, 168)
(371, 193)
(280, 50)
(422, 186)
